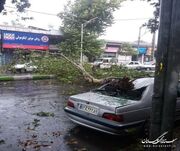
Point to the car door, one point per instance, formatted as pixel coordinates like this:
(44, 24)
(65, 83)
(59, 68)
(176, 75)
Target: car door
(136, 65)
(131, 64)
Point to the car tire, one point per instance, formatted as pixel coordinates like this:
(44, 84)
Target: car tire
(23, 70)
(18, 70)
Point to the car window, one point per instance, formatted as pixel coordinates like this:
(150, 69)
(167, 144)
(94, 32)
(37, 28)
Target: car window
(105, 61)
(134, 94)
(136, 63)
(98, 60)
(130, 63)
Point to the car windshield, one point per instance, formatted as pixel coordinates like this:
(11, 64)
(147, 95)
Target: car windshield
(99, 60)
(134, 94)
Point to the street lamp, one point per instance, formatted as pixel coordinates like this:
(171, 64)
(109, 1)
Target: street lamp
(139, 40)
(139, 37)
(82, 32)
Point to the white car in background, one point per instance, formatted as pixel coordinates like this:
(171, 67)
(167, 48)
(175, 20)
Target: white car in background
(148, 66)
(134, 65)
(98, 62)
(25, 67)
(104, 63)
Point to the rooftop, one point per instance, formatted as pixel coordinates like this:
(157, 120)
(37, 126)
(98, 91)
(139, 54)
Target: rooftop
(31, 29)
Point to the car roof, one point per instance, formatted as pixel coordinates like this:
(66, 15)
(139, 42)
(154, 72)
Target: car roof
(134, 61)
(142, 82)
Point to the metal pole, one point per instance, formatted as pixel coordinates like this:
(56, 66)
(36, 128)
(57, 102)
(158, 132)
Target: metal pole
(82, 32)
(139, 39)
(153, 45)
(1, 41)
(81, 53)
(1, 34)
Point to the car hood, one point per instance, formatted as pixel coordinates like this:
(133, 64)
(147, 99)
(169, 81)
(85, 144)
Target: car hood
(100, 100)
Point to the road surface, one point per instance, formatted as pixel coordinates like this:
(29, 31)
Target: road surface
(32, 118)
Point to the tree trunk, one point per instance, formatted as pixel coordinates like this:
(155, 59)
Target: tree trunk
(85, 74)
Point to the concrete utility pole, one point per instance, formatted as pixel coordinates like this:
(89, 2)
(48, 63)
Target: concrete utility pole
(153, 45)
(166, 74)
(81, 53)
(139, 40)
(82, 33)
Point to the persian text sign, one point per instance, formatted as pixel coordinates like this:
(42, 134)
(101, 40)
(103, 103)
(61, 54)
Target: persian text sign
(24, 40)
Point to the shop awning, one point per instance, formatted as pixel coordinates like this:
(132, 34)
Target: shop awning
(112, 49)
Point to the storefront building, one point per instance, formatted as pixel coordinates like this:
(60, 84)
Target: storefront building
(25, 39)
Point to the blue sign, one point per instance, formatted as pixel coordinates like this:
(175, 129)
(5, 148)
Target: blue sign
(142, 50)
(25, 40)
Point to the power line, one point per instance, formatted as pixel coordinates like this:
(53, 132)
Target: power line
(131, 19)
(44, 13)
(50, 14)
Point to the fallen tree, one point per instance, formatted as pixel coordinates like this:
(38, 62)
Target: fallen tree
(123, 83)
(87, 76)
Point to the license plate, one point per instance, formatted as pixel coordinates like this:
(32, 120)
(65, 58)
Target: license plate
(88, 108)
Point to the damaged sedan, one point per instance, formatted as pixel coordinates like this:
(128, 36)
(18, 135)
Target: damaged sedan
(116, 107)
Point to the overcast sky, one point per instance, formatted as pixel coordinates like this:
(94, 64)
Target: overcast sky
(128, 18)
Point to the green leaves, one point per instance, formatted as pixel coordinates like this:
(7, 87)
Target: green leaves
(153, 23)
(44, 114)
(96, 16)
(20, 4)
(59, 67)
(127, 49)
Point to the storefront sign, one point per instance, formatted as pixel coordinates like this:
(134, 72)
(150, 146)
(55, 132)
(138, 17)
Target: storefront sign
(142, 50)
(25, 40)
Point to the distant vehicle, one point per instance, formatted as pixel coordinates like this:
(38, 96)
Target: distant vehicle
(104, 62)
(115, 111)
(105, 65)
(25, 67)
(134, 65)
(148, 66)
(98, 62)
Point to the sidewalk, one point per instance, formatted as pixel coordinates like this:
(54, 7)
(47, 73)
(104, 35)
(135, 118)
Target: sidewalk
(25, 77)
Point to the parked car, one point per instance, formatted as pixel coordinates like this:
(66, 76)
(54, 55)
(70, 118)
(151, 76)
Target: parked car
(114, 112)
(148, 66)
(25, 67)
(134, 65)
(104, 63)
(98, 62)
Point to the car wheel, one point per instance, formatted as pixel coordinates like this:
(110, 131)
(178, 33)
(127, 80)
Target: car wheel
(18, 70)
(138, 68)
(23, 70)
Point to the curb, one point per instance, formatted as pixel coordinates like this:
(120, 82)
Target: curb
(26, 77)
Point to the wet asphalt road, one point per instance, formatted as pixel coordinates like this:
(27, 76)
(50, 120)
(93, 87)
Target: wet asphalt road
(21, 129)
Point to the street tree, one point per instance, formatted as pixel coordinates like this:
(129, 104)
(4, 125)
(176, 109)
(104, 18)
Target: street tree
(153, 23)
(81, 12)
(128, 50)
(20, 5)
